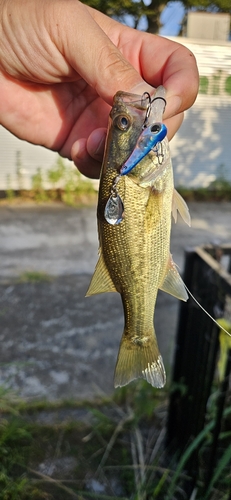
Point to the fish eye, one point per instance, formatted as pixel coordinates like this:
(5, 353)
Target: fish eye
(123, 122)
(155, 128)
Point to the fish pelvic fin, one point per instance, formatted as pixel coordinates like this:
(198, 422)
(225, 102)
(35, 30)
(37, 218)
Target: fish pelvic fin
(173, 283)
(101, 281)
(178, 204)
(139, 358)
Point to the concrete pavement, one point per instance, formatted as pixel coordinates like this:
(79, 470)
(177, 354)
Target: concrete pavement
(55, 343)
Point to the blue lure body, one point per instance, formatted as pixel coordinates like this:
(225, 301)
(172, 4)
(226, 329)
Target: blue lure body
(146, 141)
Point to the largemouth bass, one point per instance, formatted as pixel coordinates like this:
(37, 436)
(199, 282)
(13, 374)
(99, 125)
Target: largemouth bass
(136, 199)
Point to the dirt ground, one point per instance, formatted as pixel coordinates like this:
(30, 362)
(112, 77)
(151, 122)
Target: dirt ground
(55, 343)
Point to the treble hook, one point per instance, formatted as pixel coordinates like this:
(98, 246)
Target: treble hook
(149, 107)
(162, 98)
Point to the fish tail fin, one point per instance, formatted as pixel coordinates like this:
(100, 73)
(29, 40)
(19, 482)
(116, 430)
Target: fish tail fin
(139, 359)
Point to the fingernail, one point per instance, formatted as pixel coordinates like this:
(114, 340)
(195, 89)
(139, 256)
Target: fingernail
(96, 143)
(99, 146)
(142, 87)
(78, 149)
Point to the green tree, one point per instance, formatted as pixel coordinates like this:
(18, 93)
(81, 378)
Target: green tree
(121, 9)
(207, 5)
(134, 10)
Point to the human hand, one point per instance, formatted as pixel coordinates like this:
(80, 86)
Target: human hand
(61, 63)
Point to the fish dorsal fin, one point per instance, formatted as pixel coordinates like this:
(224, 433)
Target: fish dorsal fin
(173, 283)
(178, 204)
(101, 281)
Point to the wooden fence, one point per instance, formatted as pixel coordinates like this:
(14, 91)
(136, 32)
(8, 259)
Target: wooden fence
(197, 349)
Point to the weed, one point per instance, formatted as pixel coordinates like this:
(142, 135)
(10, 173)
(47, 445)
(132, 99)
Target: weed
(57, 172)
(112, 454)
(3, 311)
(68, 185)
(34, 277)
(218, 190)
(10, 194)
(76, 186)
(14, 440)
(37, 186)
(56, 177)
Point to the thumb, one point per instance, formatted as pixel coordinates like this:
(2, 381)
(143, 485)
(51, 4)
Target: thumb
(95, 58)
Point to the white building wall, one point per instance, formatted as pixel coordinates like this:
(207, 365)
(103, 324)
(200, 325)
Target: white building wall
(13, 151)
(199, 148)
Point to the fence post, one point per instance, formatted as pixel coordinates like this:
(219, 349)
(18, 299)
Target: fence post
(196, 351)
(197, 346)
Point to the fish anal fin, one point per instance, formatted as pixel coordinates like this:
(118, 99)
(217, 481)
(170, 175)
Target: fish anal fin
(101, 281)
(178, 204)
(139, 361)
(173, 283)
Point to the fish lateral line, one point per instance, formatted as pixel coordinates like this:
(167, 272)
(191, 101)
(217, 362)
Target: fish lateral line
(206, 312)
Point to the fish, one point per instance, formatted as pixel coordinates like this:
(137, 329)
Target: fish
(134, 211)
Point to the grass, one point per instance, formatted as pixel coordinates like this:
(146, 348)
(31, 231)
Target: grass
(71, 188)
(67, 185)
(218, 190)
(34, 277)
(116, 450)
(205, 194)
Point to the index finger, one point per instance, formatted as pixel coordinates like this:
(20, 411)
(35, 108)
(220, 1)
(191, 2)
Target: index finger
(174, 66)
(163, 62)
(158, 60)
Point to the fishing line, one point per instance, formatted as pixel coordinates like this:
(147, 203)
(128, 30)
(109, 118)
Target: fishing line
(206, 312)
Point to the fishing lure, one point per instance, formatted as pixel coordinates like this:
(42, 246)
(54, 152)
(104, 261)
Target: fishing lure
(148, 139)
(151, 135)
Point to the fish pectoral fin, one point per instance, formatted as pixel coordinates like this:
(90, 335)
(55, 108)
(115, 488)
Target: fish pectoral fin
(178, 204)
(139, 358)
(101, 281)
(151, 176)
(173, 283)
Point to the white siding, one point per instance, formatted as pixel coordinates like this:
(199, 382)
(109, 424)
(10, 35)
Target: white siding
(31, 158)
(199, 148)
(208, 25)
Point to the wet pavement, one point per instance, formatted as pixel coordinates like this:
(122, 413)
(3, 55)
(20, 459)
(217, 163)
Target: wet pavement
(55, 343)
